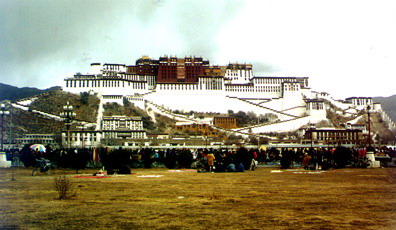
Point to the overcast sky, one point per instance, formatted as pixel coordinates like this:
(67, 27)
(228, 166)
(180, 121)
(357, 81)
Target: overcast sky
(346, 48)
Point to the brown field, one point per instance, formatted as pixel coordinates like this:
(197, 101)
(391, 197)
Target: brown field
(261, 199)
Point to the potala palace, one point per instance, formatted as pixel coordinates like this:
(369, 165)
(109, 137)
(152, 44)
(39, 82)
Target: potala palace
(192, 84)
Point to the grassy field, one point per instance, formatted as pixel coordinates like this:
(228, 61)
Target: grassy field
(184, 199)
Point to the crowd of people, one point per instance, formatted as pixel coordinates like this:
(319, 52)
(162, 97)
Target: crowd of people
(205, 160)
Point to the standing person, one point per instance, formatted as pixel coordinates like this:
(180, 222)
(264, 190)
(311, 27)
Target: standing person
(253, 163)
(36, 153)
(306, 160)
(211, 159)
(15, 158)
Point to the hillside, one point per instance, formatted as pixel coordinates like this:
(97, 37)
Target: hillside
(379, 128)
(12, 93)
(27, 122)
(388, 105)
(85, 105)
(86, 108)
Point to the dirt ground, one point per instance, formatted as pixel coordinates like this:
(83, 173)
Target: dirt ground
(267, 198)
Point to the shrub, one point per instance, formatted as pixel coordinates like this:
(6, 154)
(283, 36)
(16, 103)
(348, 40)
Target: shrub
(63, 186)
(84, 98)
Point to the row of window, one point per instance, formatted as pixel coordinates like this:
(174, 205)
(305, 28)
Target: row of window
(86, 139)
(315, 105)
(103, 83)
(73, 135)
(293, 87)
(232, 88)
(211, 85)
(39, 136)
(129, 127)
(272, 81)
(348, 136)
(137, 135)
(178, 87)
(113, 67)
(40, 141)
(224, 120)
(362, 102)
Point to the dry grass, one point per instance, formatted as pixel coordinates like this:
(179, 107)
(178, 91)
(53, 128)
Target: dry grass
(63, 186)
(339, 199)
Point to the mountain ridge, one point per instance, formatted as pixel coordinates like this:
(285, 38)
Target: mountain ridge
(13, 93)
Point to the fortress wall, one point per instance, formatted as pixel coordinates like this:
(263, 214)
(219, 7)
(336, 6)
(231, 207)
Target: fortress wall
(317, 115)
(360, 107)
(286, 126)
(136, 101)
(285, 103)
(26, 108)
(238, 105)
(388, 120)
(112, 99)
(297, 111)
(198, 102)
(241, 94)
(338, 104)
(119, 99)
(27, 102)
(155, 109)
(208, 102)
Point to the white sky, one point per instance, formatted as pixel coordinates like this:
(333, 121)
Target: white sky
(347, 48)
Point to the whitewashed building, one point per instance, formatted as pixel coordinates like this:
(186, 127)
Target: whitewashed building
(112, 127)
(360, 102)
(122, 127)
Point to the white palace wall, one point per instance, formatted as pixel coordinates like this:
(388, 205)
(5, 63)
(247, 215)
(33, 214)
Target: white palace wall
(106, 87)
(199, 101)
(316, 116)
(285, 103)
(296, 111)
